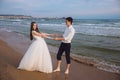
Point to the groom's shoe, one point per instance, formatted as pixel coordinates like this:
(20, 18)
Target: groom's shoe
(56, 70)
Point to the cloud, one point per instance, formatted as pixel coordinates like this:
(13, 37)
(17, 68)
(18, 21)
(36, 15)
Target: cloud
(61, 7)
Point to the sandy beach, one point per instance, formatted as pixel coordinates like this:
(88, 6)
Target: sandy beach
(13, 47)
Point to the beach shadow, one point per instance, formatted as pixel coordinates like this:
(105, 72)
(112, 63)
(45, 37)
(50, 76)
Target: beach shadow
(60, 76)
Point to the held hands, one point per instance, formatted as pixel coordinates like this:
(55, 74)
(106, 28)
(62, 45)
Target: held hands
(46, 35)
(56, 39)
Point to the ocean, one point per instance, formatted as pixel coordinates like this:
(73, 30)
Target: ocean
(94, 38)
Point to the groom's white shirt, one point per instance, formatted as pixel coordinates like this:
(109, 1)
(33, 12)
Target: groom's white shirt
(68, 34)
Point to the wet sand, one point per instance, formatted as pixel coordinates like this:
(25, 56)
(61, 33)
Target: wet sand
(13, 47)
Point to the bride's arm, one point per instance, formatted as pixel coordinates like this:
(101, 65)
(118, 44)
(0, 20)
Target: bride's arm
(48, 34)
(38, 34)
(55, 35)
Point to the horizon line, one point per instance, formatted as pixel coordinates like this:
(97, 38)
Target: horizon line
(51, 17)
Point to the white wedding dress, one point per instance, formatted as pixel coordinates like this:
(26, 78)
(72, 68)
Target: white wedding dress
(37, 57)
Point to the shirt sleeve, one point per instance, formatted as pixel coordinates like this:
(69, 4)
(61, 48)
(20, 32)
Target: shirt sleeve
(69, 35)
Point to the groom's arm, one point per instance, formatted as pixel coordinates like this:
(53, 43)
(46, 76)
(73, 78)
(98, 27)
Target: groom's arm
(52, 34)
(57, 35)
(66, 37)
(48, 34)
(59, 39)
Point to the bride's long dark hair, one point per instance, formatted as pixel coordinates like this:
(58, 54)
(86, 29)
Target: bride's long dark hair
(31, 29)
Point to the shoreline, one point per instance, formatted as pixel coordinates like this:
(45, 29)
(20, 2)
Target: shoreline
(21, 39)
(78, 70)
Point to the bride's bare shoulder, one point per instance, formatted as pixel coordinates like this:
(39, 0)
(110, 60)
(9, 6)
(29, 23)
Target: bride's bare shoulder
(36, 33)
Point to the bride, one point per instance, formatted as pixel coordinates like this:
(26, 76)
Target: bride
(37, 57)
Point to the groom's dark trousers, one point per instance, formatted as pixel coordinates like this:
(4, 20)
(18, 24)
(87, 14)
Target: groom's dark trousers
(64, 47)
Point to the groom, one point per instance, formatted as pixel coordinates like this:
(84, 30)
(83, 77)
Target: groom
(65, 44)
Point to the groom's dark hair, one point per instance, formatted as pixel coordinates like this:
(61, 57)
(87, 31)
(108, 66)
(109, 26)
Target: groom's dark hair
(69, 19)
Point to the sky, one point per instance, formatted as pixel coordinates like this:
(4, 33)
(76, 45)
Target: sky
(84, 9)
